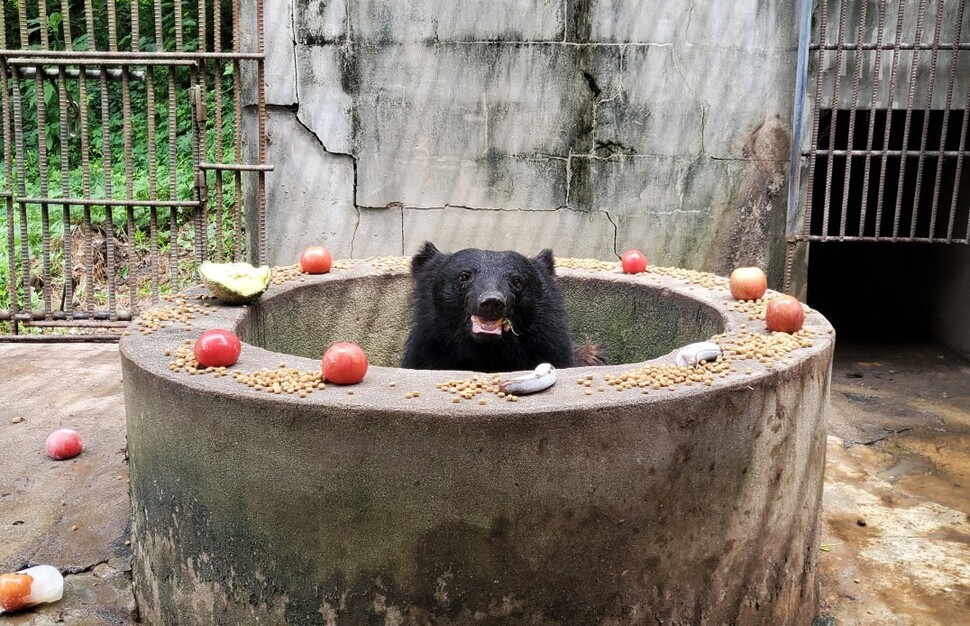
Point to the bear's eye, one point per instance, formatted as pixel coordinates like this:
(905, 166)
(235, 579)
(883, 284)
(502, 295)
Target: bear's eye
(516, 282)
(465, 276)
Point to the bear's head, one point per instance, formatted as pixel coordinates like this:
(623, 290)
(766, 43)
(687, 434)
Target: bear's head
(490, 309)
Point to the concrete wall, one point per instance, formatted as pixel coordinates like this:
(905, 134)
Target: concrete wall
(950, 304)
(588, 126)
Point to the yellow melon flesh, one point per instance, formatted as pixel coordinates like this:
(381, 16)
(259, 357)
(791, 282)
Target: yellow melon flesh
(235, 283)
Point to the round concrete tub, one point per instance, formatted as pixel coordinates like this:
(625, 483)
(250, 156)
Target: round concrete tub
(355, 505)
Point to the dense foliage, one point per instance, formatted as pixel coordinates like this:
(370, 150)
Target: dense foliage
(142, 172)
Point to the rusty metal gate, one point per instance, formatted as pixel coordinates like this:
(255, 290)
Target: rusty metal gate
(885, 91)
(123, 164)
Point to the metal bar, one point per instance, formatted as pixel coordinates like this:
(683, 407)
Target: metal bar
(21, 180)
(60, 338)
(816, 109)
(113, 57)
(934, 59)
(172, 179)
(260, 252)
(8, 170)
(152, 184)
(107, 168)
(237, 138)
(904, 46)
(112, 26)
(51, 60)
(856, 76)
(67, 300)
(884, 239)
(132, 278)
(914, 67)
(45, 251)
(217, 152)
(876, 83)
(86, 169)
(106, 202)
(889, 117)
(836, 90)
(179, 41)
(73, 323)
(198, 189)
(37, 315)
(27, 71)
(959, 172)
(237, 167)
(909, 154)
(951, 79)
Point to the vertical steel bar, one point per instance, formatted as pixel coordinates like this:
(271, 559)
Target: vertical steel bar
(172, 179)
(217, 157)
(42, 166)
(889, 117)
(951, 79)
(961, 151)
(931, 83)
(876, 85)
(152, 179)
(913, 72)
(108, 169)
(135, 27)
(836, 97)
(261, 137)
(237, 138)
(816, 109)
(67, 303)
(22, 177)
(8, 172)
(179, 40)
(198, 140)
(133, 273)
(856, 76)
(86, 168)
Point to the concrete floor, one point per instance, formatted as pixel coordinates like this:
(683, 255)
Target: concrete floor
(895, 547)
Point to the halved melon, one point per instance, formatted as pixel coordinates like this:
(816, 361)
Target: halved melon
(235, 283)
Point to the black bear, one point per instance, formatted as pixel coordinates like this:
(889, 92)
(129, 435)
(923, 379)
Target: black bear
(487, 311)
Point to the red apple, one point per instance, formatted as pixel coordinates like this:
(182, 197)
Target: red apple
(315, 260)
(785, 314)
(633, 262)
(748, 283)
(344, 363)
(63, 444)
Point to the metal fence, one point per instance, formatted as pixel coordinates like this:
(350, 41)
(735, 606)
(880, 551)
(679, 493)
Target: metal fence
(122, 157)
(888, 93)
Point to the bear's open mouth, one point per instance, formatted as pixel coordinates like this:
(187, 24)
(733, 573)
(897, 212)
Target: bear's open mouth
(482, 326)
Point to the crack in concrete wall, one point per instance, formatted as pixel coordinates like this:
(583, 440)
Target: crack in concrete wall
(567, 109)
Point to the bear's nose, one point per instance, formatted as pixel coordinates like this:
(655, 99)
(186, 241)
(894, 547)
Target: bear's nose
(491, 304)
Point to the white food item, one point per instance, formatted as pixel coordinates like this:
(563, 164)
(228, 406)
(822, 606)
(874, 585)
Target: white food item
(692, 354)
(540, 379)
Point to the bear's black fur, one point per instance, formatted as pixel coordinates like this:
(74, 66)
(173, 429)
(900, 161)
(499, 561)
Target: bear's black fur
(486, 311)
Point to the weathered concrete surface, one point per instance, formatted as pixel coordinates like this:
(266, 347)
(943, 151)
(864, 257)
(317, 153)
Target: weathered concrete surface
(896, 539)
(923, 470)
(71, 514)
(641, 114)
(698, 505)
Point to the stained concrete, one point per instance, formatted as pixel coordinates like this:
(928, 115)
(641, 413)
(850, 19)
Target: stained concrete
(573, 507)
(640, 116)
(908, 486)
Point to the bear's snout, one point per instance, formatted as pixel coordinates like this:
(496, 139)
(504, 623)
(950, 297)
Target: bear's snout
(491, 305)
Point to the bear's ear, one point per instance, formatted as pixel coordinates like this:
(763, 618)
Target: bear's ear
(426, 257)
(545, 261)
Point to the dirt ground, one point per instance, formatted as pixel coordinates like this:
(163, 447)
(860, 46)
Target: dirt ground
(895, 545)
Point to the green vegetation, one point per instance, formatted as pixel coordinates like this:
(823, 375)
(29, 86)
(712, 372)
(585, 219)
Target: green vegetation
(142, 173)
